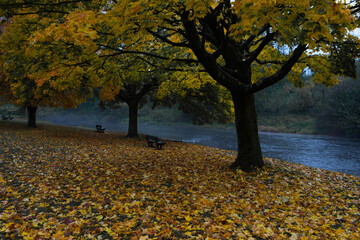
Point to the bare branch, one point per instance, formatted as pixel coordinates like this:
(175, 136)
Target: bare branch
(355, 9)
(254, 54)
(268, 62)
(280, 74)
(33, 3)
(165, 39)
(120, 51)
(39, 12)
(247, 42)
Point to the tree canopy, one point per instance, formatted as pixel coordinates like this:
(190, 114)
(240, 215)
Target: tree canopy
(81, 51)
(23, 69)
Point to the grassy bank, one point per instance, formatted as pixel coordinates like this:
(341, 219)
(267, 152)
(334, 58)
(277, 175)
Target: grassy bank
(289, 123)
(68, 183)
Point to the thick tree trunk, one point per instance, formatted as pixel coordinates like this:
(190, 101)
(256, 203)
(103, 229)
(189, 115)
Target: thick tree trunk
(133, 121)
(249, 150)
(32, 116)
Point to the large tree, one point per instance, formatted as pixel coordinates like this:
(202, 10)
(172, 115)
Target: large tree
(243, 45)
(22, 68)
(20, 19)
(126, 82)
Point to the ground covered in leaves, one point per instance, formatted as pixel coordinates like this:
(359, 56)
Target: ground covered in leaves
(68, 183)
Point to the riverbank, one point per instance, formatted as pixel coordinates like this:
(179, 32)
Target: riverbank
(64, 183)
(320, 151)
(300, 124)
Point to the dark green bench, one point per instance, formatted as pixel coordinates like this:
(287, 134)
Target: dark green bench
(151, 140)
(99, 129)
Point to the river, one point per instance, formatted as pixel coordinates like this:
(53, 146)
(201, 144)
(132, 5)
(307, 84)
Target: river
(325, 152)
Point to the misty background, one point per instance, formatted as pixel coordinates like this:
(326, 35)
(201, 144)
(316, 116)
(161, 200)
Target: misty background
(333, 114)
(313, 109)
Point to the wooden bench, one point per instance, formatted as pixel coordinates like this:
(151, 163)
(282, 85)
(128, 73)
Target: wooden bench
(151, 140)
(99, 129)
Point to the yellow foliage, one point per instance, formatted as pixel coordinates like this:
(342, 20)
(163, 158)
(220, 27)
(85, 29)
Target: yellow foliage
(63, 58)
(109, 91)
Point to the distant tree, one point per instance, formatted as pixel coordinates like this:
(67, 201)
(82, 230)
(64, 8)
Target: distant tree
(20, 20)
(134, 96)
(343, 56)
(340, 111)
(136, 80)
(22, 70)
(128, 84)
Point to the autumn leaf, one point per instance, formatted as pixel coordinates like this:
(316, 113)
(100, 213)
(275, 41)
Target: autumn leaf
(61, 182)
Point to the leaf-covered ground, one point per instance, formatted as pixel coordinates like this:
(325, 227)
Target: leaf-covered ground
(68, 183)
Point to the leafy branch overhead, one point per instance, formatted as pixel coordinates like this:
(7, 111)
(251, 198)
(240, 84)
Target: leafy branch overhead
(274, 44)
(211, 30)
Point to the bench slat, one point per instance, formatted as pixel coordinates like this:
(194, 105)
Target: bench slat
(151, 140)
(99, 129)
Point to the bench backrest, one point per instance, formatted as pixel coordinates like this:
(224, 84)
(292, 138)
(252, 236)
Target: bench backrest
(148, 137)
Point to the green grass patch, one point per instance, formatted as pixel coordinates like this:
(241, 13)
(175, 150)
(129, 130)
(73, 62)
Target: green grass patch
(302, 124)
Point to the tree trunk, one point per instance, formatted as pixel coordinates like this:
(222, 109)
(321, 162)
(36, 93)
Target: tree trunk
(133, 121)
(32, 116)
(249, 150)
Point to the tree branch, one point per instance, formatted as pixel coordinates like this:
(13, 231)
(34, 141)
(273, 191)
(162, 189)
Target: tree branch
(33, 3)
(165, 39)
(119, 52)
(246, 44)
(254, 54)
(205, 58)
(39, 12)
(153, 85)
(268, 62)
(280, 74)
